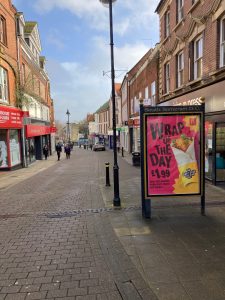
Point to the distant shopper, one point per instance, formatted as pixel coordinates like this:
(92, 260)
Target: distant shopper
(118, 146)
(67, 151)
(58, 150)
(45, 151)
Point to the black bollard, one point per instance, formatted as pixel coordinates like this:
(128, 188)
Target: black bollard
(122, 152)
(107, 181)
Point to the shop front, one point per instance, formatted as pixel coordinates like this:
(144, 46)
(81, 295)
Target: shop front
(134, 133)
(214, 98)
(36, 137)
(11, 124)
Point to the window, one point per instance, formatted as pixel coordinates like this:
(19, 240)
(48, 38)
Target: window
(222, 42)
(180, 69)
(4, 94)
(167, 77)
(167, 24)
(153, 93)
(2, 30)
(198, 55)
(180, 10)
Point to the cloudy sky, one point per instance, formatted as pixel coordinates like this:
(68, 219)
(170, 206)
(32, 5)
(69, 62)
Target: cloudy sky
(75, 40)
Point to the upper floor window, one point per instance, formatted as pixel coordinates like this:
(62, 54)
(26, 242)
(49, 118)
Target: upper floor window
(180, 10)
(2, 30)
(167, 77)
(180, 69)
(167, 23)
(153, 93)
(222, 42)
(4, 91)
(198, 57)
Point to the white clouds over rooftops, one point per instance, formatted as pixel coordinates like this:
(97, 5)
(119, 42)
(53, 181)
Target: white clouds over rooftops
(132, 14)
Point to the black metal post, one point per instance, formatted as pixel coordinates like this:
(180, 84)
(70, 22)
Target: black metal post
(107, 179)
(68, 126)
(203, 162)
(122, 152)
(116, 200)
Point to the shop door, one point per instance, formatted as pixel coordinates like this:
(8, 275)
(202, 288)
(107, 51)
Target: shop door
(220, 153)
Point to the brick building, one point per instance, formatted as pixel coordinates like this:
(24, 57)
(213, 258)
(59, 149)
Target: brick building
(26, 108)
(34, 90)
(192, 67)
(141, 82)
(11, 118)
(102, 123)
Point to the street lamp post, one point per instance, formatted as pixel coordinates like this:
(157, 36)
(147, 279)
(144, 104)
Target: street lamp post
(116, 199)
(68, 126)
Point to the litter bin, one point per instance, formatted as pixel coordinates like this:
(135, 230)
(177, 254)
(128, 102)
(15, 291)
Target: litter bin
(136, 158)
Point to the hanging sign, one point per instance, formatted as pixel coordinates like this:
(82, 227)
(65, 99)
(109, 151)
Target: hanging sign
(172, 150)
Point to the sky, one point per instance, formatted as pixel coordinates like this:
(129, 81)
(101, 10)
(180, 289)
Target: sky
(75, 41)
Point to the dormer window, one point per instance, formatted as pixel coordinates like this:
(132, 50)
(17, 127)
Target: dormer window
(2, 30)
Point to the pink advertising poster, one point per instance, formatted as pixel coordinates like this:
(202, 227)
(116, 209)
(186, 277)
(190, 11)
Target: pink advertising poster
(173, 154)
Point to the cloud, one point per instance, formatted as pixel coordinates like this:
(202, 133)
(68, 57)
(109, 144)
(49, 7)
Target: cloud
(83, 88)
(129, 14)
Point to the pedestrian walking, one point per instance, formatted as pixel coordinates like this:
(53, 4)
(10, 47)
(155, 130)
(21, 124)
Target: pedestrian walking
(45, 151)
(118, 146)
(58, 150)
(67, 151)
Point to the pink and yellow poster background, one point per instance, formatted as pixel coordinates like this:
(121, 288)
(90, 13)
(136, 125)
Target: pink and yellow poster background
(173, 154)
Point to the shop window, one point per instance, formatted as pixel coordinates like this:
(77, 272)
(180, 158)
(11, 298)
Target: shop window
(198, 57)
(167, 23)
(14, 147)
(180, 69)
(2, 30)
(222, 42)
(4, 94)
(180, 10)
(220, 152)
(3, 149)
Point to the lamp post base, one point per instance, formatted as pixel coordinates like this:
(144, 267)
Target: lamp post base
(116, 199)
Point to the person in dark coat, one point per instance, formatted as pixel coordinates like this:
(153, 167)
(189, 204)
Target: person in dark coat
(67, 151)
(58, 150)
(45, 151)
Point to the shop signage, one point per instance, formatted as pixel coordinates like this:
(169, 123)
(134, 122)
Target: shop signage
(130, 122)
(10, 117)
(37, 130)
(172, 150)
(136, 122)
(53, 129)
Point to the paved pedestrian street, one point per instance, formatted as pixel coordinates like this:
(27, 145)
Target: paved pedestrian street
(60, 237)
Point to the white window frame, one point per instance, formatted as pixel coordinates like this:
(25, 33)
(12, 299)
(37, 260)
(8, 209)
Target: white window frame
(167, 77)
(198, 57)
(222, 42)
(2, 30)
(180, 69)
(153, 93)
(4, 93)
(180, 10)
(167, 23)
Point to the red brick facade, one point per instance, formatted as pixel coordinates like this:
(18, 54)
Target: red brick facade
(200, 19)
(8, 49)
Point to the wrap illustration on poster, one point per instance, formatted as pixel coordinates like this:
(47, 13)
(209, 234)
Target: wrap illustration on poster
(173, 152)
